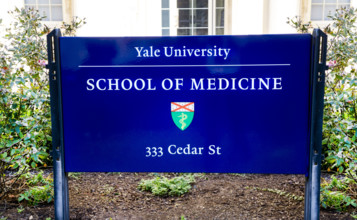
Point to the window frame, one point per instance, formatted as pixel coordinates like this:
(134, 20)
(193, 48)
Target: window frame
(325, 4)
(305, 13)
(174, 18)
(36, 5)
(192, 10)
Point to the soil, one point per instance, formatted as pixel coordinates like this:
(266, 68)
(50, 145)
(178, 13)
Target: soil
(213, 196)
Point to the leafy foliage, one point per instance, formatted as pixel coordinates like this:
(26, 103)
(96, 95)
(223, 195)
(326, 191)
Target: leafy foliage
(162, 186)
(337, 194)
(339, 143)
(340, 127)
(40, 189)
(25, 125)
(299, 25)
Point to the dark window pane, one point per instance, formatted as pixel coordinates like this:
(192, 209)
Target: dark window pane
(200, 3)
(184, 31)
(200, 31)
(200, 18)
(183, 4)
(219, 3)
(185, 18)
(165, 19)
(219, 17)
(219, 31)
(165, 3)
(165, 32)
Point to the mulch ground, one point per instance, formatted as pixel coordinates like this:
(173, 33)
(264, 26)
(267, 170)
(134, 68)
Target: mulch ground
(213, 196)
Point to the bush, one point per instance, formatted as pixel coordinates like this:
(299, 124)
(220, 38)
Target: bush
(340, 118)
(25, 125)
(339, 144)
(340, 113)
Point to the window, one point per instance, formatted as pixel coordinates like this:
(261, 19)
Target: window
(193, 17)
(165, 17)
(52, 9)
(321, 9)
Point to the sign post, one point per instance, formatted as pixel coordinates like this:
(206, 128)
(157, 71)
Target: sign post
(59, 174)
(318, 67)
(228, 104)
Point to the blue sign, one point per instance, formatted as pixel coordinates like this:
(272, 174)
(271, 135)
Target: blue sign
(186, 104)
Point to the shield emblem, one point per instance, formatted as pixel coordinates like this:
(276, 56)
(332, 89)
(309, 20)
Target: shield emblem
(182, 113)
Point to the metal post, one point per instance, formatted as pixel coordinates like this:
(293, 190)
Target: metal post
(60, 177)
(317, 85)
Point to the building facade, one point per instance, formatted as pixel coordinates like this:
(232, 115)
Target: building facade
(180, 17)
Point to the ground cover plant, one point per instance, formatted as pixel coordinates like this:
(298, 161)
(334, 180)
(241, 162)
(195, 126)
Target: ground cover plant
(39, 190)
(163, 186)
(25, 125)
(339, 143)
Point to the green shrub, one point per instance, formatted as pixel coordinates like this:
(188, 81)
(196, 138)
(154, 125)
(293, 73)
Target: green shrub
(339, 144)
(25, 125)
(340, 118)
(340, 113)
(162, 186)
(337, 194)
(40, 189)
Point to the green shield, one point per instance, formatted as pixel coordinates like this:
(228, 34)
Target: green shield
(182, 114)
(182, 119)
